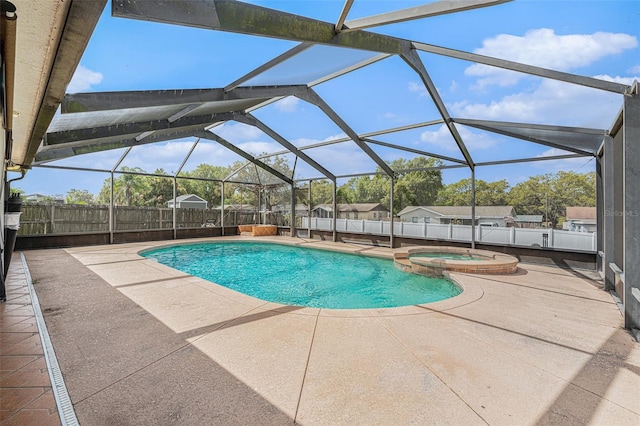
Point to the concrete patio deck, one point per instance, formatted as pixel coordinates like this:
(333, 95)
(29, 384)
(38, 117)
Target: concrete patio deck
(139, 343)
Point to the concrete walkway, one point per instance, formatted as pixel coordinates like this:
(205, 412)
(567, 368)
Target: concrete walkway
(142, 344)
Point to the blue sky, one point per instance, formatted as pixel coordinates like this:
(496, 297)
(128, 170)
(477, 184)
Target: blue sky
(590, 38)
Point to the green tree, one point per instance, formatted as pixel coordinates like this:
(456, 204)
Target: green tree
(416, 187)
(261, 184)
(104, 196)
(487, 193)
(17, 191)
(79, 196)
(209, 187)
(577, 189)
(532, 197)
(160, 189)
(128, 189)
(550, 194)
(416, 183)
(365, 189)
(321, 192)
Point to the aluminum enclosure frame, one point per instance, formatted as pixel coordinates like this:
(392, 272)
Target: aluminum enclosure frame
(195, 116)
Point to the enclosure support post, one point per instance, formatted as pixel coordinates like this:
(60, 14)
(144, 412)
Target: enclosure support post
(173, 211)
(631, 210)
(111, 216)
(391, 239)
(335, 210)
(259, 205)
(222, 206)
(599, 243)
(292, 226)
(309, 211)
(473, 208)
(608, 232)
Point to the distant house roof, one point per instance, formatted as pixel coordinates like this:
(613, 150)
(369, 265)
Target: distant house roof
(464, 211)
(355, 207)
(531, 218)
(187, 198)
(36, 198)
(581, 213)
(287, 207)
(410, 209)
(243, 207)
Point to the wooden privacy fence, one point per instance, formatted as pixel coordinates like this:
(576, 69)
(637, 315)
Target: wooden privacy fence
(40, 219)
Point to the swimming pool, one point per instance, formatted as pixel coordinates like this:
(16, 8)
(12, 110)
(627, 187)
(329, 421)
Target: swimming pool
(304, 277)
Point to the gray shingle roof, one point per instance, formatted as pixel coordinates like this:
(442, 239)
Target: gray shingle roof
(355, 207)
(465, 211)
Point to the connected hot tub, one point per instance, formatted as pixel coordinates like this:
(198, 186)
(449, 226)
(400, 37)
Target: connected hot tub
(436, 260)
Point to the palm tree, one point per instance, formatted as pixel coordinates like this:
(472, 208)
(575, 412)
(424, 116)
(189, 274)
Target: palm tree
(128, 188)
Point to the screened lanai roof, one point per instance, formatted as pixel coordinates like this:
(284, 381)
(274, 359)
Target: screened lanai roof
(322, 52)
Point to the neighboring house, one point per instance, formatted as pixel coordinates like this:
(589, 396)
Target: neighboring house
(189, 201)
(461, 215)
(581, 219)
(363, 211)
(301, 209)
(528, 221)
(39, 198)
(322, 211)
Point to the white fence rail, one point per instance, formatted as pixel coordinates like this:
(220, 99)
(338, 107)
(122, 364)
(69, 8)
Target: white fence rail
(584, 241)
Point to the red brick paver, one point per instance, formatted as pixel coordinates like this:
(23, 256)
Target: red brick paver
(26, 397)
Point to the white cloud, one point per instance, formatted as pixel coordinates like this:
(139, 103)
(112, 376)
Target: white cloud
(165, 155)
(169, 155)
(617, 79)
(634, 70)
(343, 159)
(258, 147)
(288, 104)
(577, 164)
(392, 117)
(543, 48)
(442, 139)
(312, 141)
(236, 132)
(552, 102)
(83, 79)
(418, 88)
(104, 160)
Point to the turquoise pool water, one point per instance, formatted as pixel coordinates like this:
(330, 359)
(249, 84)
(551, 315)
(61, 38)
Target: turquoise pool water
(305, 277)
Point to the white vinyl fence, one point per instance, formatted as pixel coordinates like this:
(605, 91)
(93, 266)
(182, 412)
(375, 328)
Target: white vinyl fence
(552, 238)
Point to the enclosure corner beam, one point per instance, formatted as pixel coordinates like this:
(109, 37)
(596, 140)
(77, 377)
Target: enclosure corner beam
(410, 56)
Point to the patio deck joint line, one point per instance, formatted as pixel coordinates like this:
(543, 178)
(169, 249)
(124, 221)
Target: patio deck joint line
(435, 374)
(63, 401)
(306, 366)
